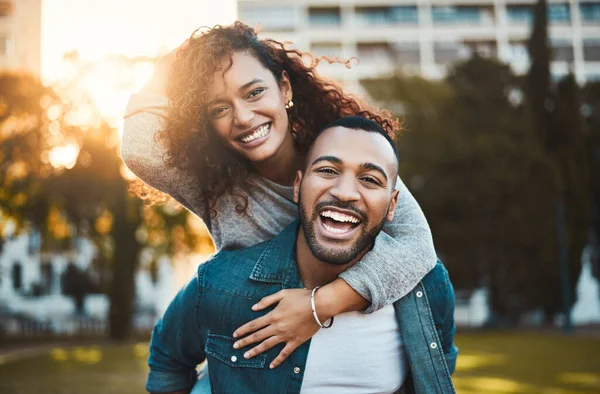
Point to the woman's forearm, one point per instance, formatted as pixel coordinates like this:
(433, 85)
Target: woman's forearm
(338, 297)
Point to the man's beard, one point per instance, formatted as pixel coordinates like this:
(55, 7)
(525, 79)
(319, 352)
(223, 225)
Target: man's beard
(336, 256)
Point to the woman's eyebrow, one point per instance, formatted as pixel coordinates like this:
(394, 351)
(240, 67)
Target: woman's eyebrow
(247, 85)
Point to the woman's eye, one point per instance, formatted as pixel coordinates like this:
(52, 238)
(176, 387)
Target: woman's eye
(256, 92)
(217, 111)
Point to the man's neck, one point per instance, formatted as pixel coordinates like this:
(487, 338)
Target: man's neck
(314, 272)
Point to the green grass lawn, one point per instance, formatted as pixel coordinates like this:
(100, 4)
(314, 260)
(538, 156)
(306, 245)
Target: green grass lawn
(524, 363)
(488, 363)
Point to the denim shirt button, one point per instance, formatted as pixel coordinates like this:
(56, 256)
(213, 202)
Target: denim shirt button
(433, 345)
(419, 294)
(296, 370)
(233, 359)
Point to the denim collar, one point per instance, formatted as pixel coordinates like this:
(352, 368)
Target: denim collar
(277, 262)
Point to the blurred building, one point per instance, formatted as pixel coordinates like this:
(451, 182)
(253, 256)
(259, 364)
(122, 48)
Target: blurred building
(33, 289)
(426, 36)
(20, 35)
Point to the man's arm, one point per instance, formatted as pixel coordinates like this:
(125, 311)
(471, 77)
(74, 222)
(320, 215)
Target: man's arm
(176, 347)
(448, 326)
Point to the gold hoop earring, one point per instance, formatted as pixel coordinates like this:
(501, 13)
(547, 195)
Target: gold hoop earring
(289, 104)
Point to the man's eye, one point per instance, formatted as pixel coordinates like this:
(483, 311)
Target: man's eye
(330, 171)
(372, 180)
(256, 92)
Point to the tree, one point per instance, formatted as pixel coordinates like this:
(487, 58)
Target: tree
(482, 178)
(591, 129)
(67, 180)
(556, 118)
(77, 284)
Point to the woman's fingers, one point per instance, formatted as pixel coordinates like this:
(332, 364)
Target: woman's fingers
(254, 337)
(252, 326)
(263, 347)
(285, 353)
(269, 300)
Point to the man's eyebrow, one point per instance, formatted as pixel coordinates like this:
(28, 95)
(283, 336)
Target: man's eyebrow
(332, 159)
(242, 88)
(375, 167)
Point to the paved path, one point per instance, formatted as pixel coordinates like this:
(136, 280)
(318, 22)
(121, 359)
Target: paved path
(11, 354)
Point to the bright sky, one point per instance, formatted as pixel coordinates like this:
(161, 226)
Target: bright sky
(132, 27)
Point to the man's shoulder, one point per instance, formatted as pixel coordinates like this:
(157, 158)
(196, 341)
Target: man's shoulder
(437, 279)
(237, 263)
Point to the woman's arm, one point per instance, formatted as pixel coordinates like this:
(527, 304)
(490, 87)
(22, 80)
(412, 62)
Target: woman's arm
(402, 255)
(400, 258)
(144, 154)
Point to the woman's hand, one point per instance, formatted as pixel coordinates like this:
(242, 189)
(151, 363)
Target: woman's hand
(162, 72)
(291, 322)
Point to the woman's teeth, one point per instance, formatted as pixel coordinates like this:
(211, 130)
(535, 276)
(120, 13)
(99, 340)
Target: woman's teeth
(260, 132)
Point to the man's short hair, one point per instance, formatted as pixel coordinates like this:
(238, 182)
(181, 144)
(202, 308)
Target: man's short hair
(361, 123)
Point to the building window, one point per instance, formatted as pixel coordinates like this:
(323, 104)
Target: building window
(519, 14)
(328, 49)
(590, 12)
(446, 52)
(461, 14)
(272, 18)
(17, 276)
(523, 14)
(407, 53)
(559, 13)
(387, 15)
(486, 49)
(47, 276)
(518, 52)
(324, 16)
(562, 51)
(591, 50)
(376, 52)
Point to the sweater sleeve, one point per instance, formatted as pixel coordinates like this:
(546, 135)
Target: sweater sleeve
(144, 155)
(402, 255)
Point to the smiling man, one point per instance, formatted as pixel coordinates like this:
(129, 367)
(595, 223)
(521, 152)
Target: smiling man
(345, 194)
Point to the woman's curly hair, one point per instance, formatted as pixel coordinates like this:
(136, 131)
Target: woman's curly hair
(192, 144)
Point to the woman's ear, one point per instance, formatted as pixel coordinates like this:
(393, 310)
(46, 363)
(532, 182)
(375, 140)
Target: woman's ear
(286, 86)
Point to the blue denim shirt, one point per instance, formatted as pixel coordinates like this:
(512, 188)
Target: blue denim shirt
(199, 323)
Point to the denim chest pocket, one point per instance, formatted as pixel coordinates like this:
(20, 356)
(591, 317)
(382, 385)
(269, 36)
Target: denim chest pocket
(229, 371)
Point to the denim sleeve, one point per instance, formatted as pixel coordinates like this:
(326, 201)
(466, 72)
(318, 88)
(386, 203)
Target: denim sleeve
(402, 255)
(448, 327)
(176, 347)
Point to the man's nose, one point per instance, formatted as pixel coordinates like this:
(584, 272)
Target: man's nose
(242, 115)
(345, 189)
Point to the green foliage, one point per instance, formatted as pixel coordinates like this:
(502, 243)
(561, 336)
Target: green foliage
(485, 181)
(84, 197)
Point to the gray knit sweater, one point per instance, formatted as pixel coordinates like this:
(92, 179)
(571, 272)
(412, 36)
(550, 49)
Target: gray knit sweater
(403, 253)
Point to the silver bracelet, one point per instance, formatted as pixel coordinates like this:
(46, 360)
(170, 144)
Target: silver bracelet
(314, 310)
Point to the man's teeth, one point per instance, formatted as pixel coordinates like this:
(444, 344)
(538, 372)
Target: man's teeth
(339, 217)
(260, 132)
(336, 230)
